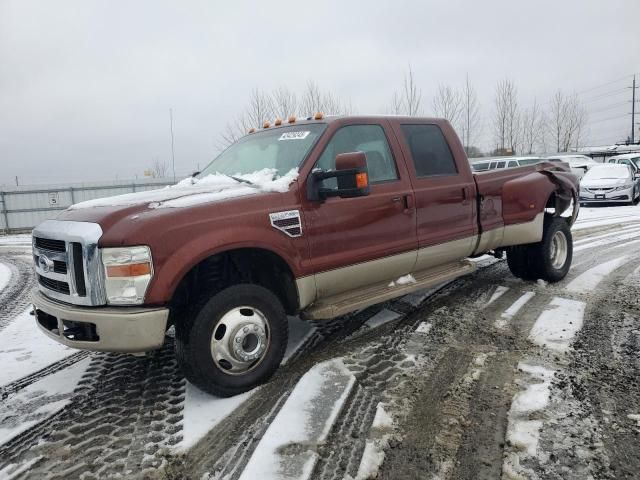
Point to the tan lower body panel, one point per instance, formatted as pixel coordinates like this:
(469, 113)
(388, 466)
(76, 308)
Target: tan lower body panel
(516, 234)
(356, 299)
(435, 255)
(340, 280)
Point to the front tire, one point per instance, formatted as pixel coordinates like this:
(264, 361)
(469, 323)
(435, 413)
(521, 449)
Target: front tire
(233, 340)
(553, 255)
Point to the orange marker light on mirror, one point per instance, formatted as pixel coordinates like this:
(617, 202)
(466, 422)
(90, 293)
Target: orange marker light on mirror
(132, 270)
(362, 180)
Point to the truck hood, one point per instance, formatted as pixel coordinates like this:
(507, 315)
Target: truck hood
(189, 194)
(194, 191)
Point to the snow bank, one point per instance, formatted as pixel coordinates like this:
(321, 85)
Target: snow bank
(589, 280)
(522, 432)
(16, 240)
(496, 295)
(39, 401)
(373, 455)
(193, 191)
(383, 316)
(611, 238)
(601, 216)
(304, 420)
(424, 327)
(556, 327)
(203, 411)
(404, 280)
(5, 276)
(510, 312)
(24, 349)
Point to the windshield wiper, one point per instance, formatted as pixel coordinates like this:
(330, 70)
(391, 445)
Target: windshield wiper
(242, 180)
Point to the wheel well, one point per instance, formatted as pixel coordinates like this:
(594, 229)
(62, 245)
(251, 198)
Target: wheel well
(557, 205)
(246, 265)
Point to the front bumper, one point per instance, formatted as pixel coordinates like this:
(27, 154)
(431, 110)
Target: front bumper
(606, 197)
(102, 329)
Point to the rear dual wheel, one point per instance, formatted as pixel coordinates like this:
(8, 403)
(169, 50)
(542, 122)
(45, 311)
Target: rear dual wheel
(549, 259)
(232, 341)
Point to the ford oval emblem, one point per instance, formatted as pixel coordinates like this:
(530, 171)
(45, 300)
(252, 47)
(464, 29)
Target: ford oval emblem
(45, 263)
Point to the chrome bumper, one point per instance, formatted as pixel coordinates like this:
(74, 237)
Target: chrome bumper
(104, 329)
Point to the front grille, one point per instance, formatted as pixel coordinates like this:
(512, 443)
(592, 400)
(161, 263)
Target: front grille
(78, 270)
(51, 245)
(55, 285)
(67, 262)
(58, 265)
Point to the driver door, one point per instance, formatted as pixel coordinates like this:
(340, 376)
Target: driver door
(361, 241)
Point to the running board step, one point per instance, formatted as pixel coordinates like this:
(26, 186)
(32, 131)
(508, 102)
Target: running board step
(337, 305)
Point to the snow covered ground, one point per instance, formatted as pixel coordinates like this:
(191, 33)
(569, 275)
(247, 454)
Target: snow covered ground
(485, 377)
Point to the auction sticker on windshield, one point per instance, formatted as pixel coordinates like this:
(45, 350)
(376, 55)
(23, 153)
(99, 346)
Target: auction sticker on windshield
(294, 135)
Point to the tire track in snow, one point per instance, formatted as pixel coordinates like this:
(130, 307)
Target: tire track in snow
(14, 298)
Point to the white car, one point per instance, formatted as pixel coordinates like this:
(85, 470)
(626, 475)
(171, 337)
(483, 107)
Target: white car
(610, 183)
(503, 162)
(631, 159)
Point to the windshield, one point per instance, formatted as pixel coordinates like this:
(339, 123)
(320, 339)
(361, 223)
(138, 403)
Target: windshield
(282, 149)
(607, 172)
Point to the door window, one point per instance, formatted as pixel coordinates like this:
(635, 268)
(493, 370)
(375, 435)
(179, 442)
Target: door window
(429, 150)
(369, 139)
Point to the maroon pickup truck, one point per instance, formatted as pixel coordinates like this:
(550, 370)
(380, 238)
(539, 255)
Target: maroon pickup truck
(315, 218)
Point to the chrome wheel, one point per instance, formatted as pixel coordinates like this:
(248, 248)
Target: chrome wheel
(240, 340)
(559, 250)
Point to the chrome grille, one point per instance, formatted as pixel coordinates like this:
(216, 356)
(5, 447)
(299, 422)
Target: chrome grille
(67, 262)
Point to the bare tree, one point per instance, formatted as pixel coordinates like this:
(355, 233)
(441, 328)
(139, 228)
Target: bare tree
(158, 169)
(285, 102)
(506, 120)
(315, 100)
(282, 102)
(407, 101)
(448, 104)
(470, 115)
(567, 119)
(532, 128)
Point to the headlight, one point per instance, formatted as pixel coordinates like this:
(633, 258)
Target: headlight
(624, 187)
(128, 271)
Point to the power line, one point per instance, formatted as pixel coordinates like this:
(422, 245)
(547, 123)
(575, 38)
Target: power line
(615, 105)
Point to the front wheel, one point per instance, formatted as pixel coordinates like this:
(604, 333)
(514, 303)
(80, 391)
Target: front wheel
(553, 255)
(232, 341)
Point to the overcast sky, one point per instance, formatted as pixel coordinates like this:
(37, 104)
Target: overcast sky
(86, 86)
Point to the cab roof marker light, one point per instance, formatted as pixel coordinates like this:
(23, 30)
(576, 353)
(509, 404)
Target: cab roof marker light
(252, 130)
(318, 116)
(266, 125)
(292, 119)
(278, 122)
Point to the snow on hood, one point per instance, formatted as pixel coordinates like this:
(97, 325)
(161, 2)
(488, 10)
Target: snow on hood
(194, 191)
(603, 182)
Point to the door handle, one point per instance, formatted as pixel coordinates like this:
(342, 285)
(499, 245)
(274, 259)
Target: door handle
(408, 202)
(466, 195)
(396, 199)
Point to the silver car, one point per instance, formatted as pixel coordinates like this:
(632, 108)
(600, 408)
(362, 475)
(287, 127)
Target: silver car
(610, 183)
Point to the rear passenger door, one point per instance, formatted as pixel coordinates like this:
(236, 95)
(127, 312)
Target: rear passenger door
(445, 196)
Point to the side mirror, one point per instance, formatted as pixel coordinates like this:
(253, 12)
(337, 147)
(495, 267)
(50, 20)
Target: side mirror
(351, 174)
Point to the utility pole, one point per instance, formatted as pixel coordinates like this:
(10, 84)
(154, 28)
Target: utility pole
(173, 158)
(633, 110)
(17, 181)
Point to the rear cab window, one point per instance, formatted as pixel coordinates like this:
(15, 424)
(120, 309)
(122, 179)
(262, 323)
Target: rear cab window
(429, 150)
